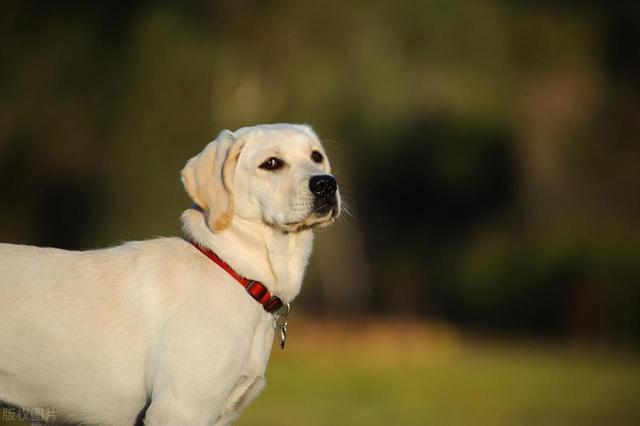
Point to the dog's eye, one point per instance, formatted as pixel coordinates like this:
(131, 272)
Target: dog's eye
(272, 163)
(317, 157)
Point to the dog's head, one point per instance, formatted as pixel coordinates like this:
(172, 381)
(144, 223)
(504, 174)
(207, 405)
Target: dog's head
(277, 174)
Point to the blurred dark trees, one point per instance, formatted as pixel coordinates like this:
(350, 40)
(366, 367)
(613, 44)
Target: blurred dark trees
(488, 150)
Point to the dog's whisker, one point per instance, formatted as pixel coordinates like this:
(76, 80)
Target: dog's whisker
(347, 209)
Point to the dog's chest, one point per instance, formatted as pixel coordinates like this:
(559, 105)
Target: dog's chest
(261, 345)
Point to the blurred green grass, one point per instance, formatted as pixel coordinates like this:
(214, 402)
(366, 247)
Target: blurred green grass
(416, 375)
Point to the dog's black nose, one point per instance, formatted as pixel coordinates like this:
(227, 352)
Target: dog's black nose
(323, 186)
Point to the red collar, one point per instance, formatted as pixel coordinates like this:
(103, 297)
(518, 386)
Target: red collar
(256, 289)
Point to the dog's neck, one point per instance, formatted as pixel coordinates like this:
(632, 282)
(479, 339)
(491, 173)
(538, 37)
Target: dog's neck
(256, 251)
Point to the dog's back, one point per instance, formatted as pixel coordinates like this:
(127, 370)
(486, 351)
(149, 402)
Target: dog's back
(49, 340)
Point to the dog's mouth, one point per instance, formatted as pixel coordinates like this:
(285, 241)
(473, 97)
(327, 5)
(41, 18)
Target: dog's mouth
(323, 209)
(320, 216)
(324, 215)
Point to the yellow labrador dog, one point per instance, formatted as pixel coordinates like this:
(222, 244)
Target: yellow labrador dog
(168, 324)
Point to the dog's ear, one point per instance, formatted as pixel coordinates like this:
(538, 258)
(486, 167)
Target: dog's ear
(208, 179)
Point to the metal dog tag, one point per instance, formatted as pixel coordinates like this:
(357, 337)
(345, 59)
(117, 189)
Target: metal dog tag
(281, 324)
(283, 334)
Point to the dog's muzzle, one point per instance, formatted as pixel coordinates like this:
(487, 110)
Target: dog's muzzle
(324, 188)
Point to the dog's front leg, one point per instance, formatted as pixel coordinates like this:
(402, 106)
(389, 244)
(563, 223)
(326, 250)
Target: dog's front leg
(193, 396)
(169, 408)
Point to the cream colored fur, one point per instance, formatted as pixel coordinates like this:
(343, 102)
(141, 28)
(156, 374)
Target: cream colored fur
(96, 334)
